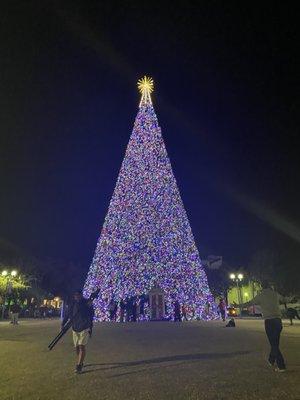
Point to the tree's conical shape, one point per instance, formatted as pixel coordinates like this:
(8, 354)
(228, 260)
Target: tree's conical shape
(146, 239)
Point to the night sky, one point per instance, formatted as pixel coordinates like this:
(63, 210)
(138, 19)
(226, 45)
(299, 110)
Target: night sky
(226, 96)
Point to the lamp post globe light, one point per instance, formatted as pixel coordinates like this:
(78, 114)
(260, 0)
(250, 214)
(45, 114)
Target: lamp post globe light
(237, 278)
(8, 276)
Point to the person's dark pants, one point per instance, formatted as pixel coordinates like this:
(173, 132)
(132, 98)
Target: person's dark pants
(177, 317)
(134, 315)
(223, 314)
(273, 329)
(128, 314)
(112, 315)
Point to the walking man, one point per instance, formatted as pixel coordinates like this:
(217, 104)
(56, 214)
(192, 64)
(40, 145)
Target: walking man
(268, 300)
(81, 314)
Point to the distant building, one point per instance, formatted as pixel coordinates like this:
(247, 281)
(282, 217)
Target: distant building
(55, 302)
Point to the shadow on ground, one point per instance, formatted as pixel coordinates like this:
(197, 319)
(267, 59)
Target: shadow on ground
(168, 359)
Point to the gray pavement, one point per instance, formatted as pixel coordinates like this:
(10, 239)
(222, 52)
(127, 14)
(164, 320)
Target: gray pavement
(157, 360)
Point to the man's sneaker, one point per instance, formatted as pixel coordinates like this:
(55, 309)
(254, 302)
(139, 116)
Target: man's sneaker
(271, 364)
(78, 369)
(280, 369)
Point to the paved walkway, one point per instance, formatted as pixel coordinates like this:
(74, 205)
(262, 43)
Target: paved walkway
(143, 361)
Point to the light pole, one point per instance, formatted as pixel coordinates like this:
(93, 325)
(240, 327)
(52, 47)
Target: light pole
(8, 288)
(238, 278)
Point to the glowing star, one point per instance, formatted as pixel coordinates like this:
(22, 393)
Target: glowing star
(145, 86)
(146, 238)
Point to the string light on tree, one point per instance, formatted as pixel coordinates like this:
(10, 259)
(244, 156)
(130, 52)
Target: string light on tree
(146, 238)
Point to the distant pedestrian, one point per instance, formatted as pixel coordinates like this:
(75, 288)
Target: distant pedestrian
(268, 300)
(292, 313)
(230, 324)
(207, 307)
(134, 307)
(143, 300)
(15, 310)
(122, 310)
(184, 312)
(112, 308)
(138, 308)
(177, 313)
(43, 311)
(222, 308)
(128, 308)
(50, 312)
(36, 312)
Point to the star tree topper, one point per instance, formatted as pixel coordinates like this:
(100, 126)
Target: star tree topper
(145, 86)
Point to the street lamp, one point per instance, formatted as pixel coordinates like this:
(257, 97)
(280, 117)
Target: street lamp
(237, 278)
(8, 288)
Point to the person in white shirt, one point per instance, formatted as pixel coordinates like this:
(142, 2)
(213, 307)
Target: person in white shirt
(268, 300)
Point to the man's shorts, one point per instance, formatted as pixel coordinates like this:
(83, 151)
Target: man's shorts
(81, 338)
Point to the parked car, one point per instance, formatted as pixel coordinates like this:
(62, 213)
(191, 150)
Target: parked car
(231, 311)
(254, 311)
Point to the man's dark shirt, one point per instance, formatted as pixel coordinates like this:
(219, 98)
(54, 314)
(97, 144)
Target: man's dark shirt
(81, 314)
(15, 308)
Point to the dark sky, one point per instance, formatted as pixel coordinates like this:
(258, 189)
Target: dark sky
(226, 89)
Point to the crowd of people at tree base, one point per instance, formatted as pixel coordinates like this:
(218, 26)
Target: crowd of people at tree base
(133, 309)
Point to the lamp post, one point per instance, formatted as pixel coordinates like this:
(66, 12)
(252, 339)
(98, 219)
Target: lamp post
(237, 278)
(8, 288)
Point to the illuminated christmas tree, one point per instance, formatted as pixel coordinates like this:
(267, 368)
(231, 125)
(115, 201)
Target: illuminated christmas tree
(146, 239)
